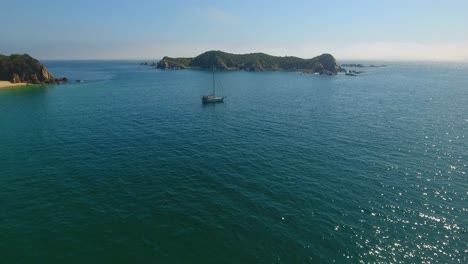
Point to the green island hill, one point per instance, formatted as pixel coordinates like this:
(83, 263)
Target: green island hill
(323, 64)
(18, 68)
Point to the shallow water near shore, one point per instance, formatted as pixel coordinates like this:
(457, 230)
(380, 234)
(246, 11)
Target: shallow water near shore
(129, 166)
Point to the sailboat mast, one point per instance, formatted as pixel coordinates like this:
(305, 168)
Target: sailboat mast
(213, 83)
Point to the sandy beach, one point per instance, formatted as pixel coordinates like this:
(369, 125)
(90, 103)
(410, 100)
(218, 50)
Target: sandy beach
(4, 84)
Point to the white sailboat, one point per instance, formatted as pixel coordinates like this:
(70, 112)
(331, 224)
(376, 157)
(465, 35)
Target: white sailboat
(213, 98)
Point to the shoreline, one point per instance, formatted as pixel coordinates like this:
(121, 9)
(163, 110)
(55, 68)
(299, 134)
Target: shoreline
(7, 84)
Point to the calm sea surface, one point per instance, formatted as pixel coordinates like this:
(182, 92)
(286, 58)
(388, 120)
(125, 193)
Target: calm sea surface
(130, 167)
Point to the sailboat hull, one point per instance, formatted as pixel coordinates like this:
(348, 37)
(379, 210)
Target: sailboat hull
(212, 99)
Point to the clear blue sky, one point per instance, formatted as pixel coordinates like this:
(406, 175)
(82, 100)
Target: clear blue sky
(146, 29)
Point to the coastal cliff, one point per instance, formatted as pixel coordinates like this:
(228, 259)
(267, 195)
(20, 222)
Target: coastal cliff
(18, 68)
(323, 64)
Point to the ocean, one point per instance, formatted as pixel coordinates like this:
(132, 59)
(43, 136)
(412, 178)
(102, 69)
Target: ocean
(129, 166)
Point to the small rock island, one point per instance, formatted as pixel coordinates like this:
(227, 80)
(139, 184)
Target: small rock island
(18, 68)
(323, 64)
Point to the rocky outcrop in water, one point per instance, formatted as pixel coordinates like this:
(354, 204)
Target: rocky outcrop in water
(18, 68)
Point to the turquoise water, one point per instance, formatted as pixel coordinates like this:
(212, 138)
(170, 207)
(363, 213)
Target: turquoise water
(129, 167)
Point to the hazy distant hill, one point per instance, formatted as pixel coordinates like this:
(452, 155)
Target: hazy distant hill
(324, 64)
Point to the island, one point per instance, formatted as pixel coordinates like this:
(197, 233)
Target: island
(215, 59)
(18, 69)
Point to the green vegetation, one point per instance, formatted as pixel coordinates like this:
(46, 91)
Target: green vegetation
(324, 63)
(174, 63)
(18, 68)
(16, 63)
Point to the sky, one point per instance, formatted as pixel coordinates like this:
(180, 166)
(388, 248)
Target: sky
(151, 29)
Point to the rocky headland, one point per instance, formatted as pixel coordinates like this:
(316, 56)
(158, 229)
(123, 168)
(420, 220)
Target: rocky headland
(323, 64)
(18, 68)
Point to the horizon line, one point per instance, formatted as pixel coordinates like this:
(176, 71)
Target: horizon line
(338, 60)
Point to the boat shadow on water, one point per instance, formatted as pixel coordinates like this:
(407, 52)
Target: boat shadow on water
(211, 105)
